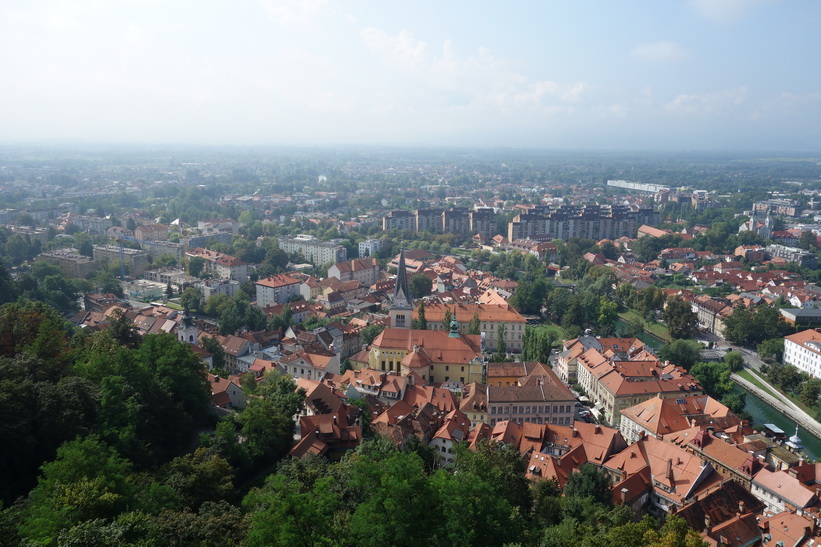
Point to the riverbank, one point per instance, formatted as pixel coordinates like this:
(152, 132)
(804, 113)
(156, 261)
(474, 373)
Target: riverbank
(788, 408)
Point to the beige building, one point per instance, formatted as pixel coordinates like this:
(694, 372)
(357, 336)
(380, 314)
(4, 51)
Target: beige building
(491, 316)
(364, 270)
(70, 261)
(436, 356)
(276, 289)
(136, 260)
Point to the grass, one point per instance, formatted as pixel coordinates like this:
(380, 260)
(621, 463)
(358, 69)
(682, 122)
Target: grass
(550, 327)
(747, 375)
(656, 329)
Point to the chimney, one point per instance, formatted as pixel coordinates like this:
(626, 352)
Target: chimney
(334, 419)
(575, 432)
(670, 470)
(706, 524)
(624, 495)
(597, 429)
(216, 378)
(740, 508)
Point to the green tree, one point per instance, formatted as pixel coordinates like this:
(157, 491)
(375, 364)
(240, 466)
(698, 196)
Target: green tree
(196, 266)
(88, 480)
(420, 285)
(608, 314)
(474, 327)
(810, 390)
(200, 477)
(680, 319)
(212, 346)
(589, 482)
(421, 323)
(369, 333)
(684, 353)
(447, 319)
(771, 349)
(191, 299)
(714, 378)
(501, 345)
(734, 360)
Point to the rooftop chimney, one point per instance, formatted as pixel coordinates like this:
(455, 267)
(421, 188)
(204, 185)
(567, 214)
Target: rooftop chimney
(740, 508)
(624, 495)
(670, 470)
(706, 524)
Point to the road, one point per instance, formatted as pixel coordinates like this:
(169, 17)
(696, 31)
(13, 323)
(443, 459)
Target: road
(751, 358)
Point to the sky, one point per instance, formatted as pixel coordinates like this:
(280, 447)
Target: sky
(564, 74)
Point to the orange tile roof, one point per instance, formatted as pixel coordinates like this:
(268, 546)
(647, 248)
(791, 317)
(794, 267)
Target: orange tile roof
(438, 345)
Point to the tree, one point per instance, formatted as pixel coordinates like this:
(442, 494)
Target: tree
(420, 285)
(684, 353)
(501, 345)
(810, 390)
(212, 346)
(474, 327)
(589, 482)
(680, 318)
(421, 323)
(734, 360)
(369, 333)
(771, 349)
(751, 326)
(608, 314)
(196, 265)
(200, 477)
(130, 224)
(714, 378)
(191, 299)
(447, 319)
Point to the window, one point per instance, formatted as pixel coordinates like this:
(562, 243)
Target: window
(515, 410)
(527, 410)
(447, 367)
(463, 370)
(462, 379)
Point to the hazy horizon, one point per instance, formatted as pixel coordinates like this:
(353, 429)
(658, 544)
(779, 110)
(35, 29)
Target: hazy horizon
(690, 75)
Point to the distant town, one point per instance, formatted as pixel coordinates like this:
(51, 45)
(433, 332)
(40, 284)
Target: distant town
(362, 346)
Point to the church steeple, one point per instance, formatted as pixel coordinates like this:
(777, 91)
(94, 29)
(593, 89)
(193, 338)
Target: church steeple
(402, 306)
(454, 325)
(401, 294)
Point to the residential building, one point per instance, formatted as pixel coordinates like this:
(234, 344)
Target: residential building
(657, 417)
(364, 270)
(801, 257)
(803, 351)
(588, 222)
(135, 260)
(483, 221)
(89, 224)
(456, 221)
(70, 261)
(729, 461)
(615, 385)
(221, 266)
(491, 318)
(210, 287)
(313, 250)
(276, 289)
(151, 232)
(428, 220)
(453, 431)
(310, 364)
(369, 247)
(226, 392)
(398, 220)
(546, 400)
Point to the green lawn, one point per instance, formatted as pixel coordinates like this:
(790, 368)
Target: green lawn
(550, 327)
(744, 373)
(656, 329)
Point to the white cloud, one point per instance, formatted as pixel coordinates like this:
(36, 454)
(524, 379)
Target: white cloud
(660, 52)
(788, 105)
(481, 81)
(725, 11)
(715, 102)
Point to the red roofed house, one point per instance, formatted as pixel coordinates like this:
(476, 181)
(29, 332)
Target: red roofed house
(276, 289)
(364, 270)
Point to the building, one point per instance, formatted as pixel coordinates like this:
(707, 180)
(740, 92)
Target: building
(615, 385)
(221, 266)
(544, 400)
(135, 260)
(276, 289)
(401, 309)
(398, 220)
(313, 250)
(586, 222)
(787, 207)
(711, 313)
(91, 225)
(369, 247)
(436, 356)
(311, 365)
(483, 222)
(456, 221)
(151, 232)
(657, 417)
(803, 351)
(159, 248)
(428, 220)
(70, 261)
(364, 270)
(210, 287)
(801, 257)
(491, 318)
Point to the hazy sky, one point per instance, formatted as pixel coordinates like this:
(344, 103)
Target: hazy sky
(619, 74)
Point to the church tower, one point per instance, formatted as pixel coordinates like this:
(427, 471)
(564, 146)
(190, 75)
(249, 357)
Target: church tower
(186, 331)
(454, 325)
(401, 311)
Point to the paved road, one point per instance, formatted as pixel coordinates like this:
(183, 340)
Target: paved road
(751, 358)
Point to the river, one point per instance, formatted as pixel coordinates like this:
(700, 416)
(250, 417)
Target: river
(649, 339)
(763, 413)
